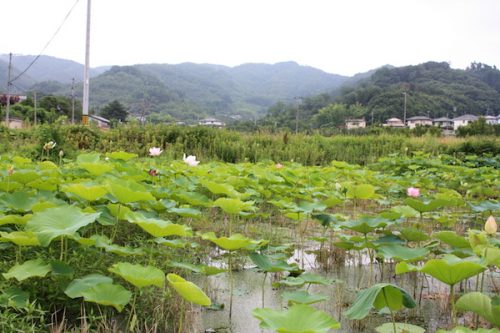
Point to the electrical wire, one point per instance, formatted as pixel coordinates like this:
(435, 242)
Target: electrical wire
(47, 44)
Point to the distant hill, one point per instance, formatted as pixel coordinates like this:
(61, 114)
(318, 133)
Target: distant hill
(185, 91)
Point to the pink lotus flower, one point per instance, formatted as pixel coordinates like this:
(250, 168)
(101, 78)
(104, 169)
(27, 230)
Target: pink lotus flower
(190, 160)
(155, 151)
(413, 192)
(278, 166)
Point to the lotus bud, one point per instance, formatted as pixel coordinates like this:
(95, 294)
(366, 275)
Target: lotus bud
(10, 170)
(61, 153)
(490, 226)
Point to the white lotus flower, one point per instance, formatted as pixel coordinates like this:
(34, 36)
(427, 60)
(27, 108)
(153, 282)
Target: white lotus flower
(190, 160)
(155, 151)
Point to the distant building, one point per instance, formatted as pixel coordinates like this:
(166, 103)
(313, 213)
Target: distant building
(15, 123)
(418, 121)
(355, 123)
(101, 122)
(394, 122)
(463, 120)
(443, 122)
(212, 122)
(492, 120)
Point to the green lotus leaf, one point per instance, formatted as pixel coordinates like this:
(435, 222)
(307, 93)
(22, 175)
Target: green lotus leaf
(379, 296)
(308, 207)
(404, 267)
(266, 264)
(97, 168)
(120, 211)
(482, 305)
(362, 191)
(127, 192)
(15, 298)
(202, 269)
(451, 238)
(43, 205)
(426, 206)
(88, 158)
(193, 198)
(21, 238)
(186, 211)
(139, 276)
(175, 243)
(461, 329)
(108, 294)
(77, 286)
(19, 201)
(400, 328)
(233, 206)
(59, 221)
(15, 219)
(414, 235)
(402, 252)
(221, 188)
(24, 176)
(366, 224)
(302, 297)
(188, 290)
(486, 206)
(30, 268)
(235, 242)
(9, 186)
(60, 268)
(159, 228)
(451, 269)
(299, 318)
(121, 155)
(123, 250)
(47, 165)
(405, 211)
(315, 279)
(89, 193)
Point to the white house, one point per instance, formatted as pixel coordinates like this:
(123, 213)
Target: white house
(355, 123)
(443, 122)
(212, 122)
(418, 121)
(463, 120)
(394, 122)
(492, 120)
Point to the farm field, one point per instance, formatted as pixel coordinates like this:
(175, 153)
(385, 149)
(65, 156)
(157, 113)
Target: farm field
(112, 242)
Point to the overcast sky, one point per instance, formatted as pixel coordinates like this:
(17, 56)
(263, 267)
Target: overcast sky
(337, 36)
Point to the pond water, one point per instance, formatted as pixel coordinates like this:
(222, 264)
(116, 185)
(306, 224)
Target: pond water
(431, 297)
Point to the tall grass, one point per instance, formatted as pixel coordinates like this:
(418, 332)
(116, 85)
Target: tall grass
(230, 146)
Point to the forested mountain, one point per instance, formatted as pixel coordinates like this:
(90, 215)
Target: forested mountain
(432, 89)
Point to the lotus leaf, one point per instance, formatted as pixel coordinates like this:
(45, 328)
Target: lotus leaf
(221, 188)
(77, 286)
(19, 201)
(366, 224)
(400, 328)
(193, 198)
(302, 297)
(88, 158)
(60, 268)
(186, 211)
(30, 268)
(97, 168)
(451, 238)
(121, 155)
(461, 329)
(59, 221)
(267, 265)
(157, 227)
(89, 193)
(426, 206)
(15, 219)
(139, 276)
(233, 206)
(235, 242)
(21, 238)
(402, 252)
(108, 294)
(202, 269)
(362, 191)
(15, 298)
(188, 290)
(127, 192)
(482, 305)
(414, 235)
(451, 269)
(379, 296)
(299, 318)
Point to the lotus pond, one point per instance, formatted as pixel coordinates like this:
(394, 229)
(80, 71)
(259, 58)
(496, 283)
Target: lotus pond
(115, 243)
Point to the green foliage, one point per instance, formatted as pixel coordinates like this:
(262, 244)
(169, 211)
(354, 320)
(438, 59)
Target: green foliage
(114, 111)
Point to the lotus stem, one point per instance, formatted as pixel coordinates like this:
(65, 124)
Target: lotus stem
(263, 286)
(390, 310)
(115, 228)
(452, 305)
(230, 286)
(132, 313)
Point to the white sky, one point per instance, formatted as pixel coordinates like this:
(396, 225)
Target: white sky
(337, 36)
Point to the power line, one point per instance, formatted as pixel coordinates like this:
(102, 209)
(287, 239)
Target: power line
(47, 44)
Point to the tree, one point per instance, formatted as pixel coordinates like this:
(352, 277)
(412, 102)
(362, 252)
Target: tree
(114, 111)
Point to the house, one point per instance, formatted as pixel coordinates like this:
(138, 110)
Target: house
(101, 122)
(443, 122)
(418, 121)
(15, 123)
(394, 122)
(211, 122)
(355, 123)
(491, 120)
(463, 120)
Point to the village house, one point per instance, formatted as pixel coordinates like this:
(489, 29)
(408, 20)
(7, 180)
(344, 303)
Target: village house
(394, 122)
(418, 121)
(463, 120)
(355, 123)
(101, 122)
(443, 122)
(491, 120)
(211, 122)
(15, 123)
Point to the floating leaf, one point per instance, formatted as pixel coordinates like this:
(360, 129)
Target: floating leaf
(59, 221)
(188, 290)
(30, 268)
(302, 297)
(108, 294)
(299, 318)
(267, 265)
(139, 276)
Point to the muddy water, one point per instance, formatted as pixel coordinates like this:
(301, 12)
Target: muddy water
(431, 297)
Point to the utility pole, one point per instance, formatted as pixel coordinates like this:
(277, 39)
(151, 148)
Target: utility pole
(85, 103)
(34, 104)
(7, 107)
(404, 112)
(73, 101)
(298, 99)
(372, 117)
